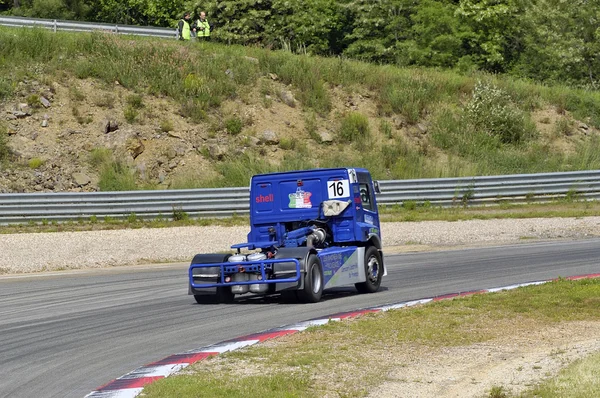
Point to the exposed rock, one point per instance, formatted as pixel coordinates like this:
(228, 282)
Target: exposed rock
(11, 116)
(229, 73)
(81, 179)
(398, 122)
(45, 102)
(110, 125)
(288, 98)
(171, 153)
(45, 123)
(253, 141)
(135, 147)
(269, 138)
(216, 152)
(26, 109)
(175, 134)
(273, 76)
(422, 128)
(325, 137)
(20, 114)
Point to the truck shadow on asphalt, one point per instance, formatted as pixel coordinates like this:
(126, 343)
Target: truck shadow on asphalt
(278, 298)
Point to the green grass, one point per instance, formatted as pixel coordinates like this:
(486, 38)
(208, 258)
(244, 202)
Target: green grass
(321, 352)
(4, 149)
(35, 163)
(355, 128)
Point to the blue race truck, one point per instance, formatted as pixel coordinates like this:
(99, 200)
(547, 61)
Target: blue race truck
(309, 230)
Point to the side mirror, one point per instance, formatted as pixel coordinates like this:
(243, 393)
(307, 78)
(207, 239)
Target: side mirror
(377, 188)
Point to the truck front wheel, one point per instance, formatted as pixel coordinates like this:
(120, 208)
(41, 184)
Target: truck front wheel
(313, 281)
(373, 271)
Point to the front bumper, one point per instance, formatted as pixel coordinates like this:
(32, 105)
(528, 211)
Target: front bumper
(209, 276)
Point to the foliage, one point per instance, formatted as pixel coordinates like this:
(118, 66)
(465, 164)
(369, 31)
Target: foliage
(4, 150)
(35, 163)
(116, 176)
(491, 111)
(234, 125)
(355, 128)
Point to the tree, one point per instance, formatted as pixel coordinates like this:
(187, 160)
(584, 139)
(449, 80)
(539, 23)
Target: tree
(378, 27)
(308, 25)
(562, 42)
(496, 36)
(436, 36)
(240, 21)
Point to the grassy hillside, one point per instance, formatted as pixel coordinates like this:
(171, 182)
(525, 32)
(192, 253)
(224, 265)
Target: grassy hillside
(197, 115)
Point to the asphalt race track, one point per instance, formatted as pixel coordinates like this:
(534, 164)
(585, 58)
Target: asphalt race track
(64, 334)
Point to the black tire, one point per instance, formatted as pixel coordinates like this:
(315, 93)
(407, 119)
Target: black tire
(313, 281)
(223, 295)
(373, 271)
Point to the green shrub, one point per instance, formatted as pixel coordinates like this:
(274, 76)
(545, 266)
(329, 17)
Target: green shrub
(4, 151)
(355, 128)
(179, 214)
(76, 94)
(194, 110)
(132, 218)
(166, 126)
(115, 176)
(287, 143)
(105, 101)
(385, 128)
(135, 101)
(130, 113)
(491, 111)
(234, 125)
(80, 118)
(563, 127)
(409, 205)
(33, 100)
(99, 157)
(310, 125)
(35, 163)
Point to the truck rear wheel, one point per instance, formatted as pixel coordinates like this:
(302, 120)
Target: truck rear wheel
(313, 281)
(373, 271)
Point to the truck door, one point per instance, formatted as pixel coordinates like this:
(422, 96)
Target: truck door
(367, 198)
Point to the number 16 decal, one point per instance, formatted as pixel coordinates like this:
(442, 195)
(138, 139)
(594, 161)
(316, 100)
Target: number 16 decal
(338, 189)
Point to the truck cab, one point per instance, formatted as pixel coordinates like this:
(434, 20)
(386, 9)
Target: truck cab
(309, 230)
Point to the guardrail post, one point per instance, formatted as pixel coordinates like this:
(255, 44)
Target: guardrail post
(54, 26)
(117, 29)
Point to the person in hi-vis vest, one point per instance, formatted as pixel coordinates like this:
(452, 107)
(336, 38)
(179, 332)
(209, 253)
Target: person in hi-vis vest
(202, 27)
(184, 30)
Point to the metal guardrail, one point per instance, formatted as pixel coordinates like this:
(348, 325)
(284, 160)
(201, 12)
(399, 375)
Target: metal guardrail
(16, 208)
(77, 26)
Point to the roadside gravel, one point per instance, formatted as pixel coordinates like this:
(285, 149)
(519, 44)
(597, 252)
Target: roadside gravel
(35, 252)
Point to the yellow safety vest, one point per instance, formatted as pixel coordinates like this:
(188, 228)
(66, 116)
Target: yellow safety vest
(202, 32)
(186, 32)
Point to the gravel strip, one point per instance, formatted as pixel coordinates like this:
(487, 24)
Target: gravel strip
(35, 252)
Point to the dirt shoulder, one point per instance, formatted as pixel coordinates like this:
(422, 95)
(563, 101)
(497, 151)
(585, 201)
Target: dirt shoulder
(515, 362)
